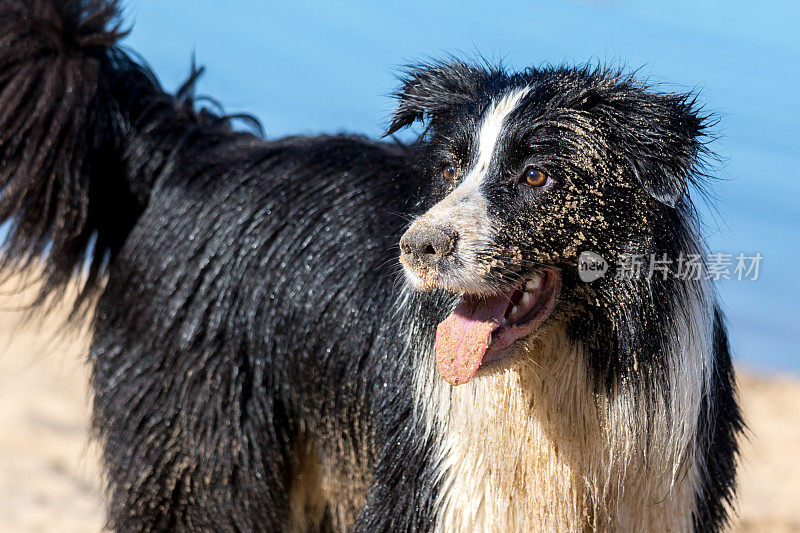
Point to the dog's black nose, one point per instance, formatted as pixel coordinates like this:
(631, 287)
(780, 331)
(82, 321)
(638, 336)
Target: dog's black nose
(424, 243)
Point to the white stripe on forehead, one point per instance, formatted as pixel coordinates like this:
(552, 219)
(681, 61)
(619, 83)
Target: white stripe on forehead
(489, 133)
(465, 208)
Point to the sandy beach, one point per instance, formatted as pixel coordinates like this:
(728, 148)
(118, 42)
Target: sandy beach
(50, 480)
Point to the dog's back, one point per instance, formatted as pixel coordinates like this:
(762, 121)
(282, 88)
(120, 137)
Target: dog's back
(246, 300)
(240, 321)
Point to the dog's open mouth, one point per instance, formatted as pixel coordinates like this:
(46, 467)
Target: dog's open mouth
(481, 329)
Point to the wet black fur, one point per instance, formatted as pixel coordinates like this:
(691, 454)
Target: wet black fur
(623, 158)
(251, 295)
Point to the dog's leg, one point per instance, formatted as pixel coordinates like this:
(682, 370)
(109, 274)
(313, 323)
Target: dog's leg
(405, 486)
(187, 446)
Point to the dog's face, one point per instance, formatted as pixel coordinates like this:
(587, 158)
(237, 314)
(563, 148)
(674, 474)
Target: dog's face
(526, 172)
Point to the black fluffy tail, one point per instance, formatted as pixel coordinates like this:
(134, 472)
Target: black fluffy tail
(57, 125)
(84, 134)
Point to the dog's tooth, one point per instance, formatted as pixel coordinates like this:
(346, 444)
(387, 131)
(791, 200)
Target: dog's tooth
(514, 311)
(534, 284)
(526, 299)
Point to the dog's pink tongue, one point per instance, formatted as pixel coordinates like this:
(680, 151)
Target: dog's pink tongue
(463, 337)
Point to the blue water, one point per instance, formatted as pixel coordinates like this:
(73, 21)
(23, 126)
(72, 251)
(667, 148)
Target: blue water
(306, 67)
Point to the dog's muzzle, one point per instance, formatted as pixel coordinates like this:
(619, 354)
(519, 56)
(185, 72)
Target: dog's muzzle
(443, 247)
(424, 246)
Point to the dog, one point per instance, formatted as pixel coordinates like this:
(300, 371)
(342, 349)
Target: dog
(258, 360)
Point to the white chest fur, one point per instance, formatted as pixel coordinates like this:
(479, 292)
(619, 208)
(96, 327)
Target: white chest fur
(534, 448)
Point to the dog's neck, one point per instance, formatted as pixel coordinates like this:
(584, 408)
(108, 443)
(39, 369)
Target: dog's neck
(537, 447)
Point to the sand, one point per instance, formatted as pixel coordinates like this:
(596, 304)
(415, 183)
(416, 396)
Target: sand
(50, 480)
(769, 477)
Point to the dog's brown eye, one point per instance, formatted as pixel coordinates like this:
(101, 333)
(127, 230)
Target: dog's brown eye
(449, 172)
(533, 177)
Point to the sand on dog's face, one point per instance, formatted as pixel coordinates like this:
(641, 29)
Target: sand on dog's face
(50, 480)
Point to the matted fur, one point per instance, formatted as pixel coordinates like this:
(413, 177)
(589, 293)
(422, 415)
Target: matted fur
(253, 365)
(562, 436)
(535, 446)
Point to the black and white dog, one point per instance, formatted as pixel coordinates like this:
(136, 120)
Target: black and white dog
(258, 362)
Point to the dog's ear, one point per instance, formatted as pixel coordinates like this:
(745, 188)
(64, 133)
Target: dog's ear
(660, 136)
(431, 89)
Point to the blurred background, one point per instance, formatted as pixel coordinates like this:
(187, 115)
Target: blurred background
(314, 67)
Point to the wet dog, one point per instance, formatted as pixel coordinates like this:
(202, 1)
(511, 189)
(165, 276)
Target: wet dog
(256, 365)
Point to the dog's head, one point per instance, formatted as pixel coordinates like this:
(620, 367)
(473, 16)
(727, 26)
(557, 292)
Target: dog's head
(527, 171)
